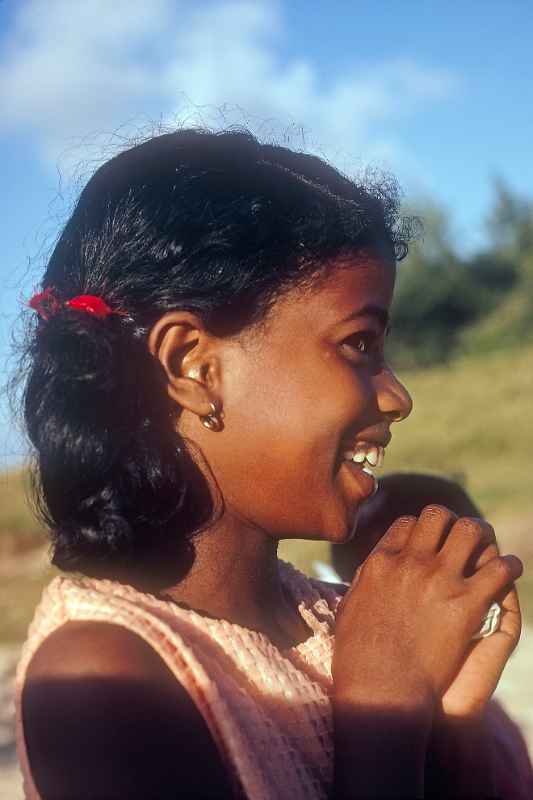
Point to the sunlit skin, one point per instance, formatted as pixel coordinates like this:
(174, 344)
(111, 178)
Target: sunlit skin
(292, 392)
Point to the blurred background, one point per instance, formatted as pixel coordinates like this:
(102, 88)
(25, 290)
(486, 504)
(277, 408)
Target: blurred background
(440, 96)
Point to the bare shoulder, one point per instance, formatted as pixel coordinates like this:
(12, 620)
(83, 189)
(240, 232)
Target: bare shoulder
(104, 717)
(95, 649)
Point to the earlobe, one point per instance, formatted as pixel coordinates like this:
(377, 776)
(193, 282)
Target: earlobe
(184, 348)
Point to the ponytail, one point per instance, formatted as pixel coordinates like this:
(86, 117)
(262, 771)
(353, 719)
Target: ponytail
(111, 465)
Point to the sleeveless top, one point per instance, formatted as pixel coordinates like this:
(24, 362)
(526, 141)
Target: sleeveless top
(268, 710)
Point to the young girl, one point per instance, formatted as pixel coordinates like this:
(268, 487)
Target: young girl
(205, 370)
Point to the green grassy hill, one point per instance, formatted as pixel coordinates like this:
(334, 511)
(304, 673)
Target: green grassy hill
(471, 420)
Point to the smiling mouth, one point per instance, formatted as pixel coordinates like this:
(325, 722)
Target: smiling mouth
(365, 457)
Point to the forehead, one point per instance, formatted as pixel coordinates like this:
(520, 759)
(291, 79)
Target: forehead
(348, 286)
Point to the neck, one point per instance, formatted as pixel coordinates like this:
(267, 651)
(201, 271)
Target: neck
(235, 576)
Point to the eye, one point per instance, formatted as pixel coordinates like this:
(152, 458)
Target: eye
(362, 343)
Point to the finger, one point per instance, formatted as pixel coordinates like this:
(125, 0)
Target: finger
(480, 557)
(509, 599)
(486, 555)
(485, 660)
(468, 539)
(397, 535)
(495, 578)
(394, 540)
(511, 617)
(431, 529)
(504, 640)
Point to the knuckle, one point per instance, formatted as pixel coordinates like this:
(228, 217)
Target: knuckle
(380, 560)
(484, 528)
(438, 513)
(472, 527)
(398, 532)
(414, 563)
(378, 557)
(405, 521)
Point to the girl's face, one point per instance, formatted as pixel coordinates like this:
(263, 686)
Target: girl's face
(298, 395)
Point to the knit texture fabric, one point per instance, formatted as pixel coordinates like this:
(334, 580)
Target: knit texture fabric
(268, 710)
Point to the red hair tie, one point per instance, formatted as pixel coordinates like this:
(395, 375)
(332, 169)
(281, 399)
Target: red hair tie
(46, 304)
(91, 305)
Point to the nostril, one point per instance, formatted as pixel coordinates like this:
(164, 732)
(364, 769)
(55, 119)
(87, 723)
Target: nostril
(394, 400)
(396, 416)
(404, 402)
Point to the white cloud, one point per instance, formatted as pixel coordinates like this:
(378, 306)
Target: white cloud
(72, 70)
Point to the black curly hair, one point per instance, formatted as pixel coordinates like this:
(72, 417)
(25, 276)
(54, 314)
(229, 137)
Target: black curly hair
(215, 223)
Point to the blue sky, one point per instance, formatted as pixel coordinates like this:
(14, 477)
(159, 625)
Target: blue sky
(440, 93)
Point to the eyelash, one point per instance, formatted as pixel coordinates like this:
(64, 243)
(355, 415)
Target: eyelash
(368, 338)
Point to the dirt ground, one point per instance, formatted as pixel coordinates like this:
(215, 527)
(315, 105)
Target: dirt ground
(10, 781)
(515, 692)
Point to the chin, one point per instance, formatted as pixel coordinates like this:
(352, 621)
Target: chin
(344, 531)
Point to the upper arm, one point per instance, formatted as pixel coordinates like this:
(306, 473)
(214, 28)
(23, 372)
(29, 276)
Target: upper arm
(104, 717)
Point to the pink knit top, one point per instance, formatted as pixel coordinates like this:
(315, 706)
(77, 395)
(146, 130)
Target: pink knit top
(267, 709)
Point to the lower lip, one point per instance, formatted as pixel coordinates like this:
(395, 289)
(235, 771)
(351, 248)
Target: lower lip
(367, 484)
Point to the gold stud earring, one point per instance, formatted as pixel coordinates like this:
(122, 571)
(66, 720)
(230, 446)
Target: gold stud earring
(212, 421)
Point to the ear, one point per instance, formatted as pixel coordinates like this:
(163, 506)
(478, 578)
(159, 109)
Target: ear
(187, 353)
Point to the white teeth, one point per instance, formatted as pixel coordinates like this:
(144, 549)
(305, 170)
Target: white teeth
(372, 456)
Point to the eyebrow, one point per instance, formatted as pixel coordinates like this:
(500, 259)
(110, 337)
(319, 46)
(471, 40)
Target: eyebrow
(370, 310)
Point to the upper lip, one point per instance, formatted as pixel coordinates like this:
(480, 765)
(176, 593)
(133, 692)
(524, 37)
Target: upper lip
(379, 438)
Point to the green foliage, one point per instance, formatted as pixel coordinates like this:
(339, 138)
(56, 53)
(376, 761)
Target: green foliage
(510, 221)
(435, 300)
(445, 305)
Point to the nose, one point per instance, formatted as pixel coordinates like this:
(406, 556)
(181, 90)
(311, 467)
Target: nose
(394, 401)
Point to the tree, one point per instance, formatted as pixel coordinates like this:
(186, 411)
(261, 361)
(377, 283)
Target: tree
(510, 323)
(510, 222)
(436, 296)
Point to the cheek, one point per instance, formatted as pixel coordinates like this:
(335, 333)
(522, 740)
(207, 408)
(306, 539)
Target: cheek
(275, 460)
(300, 408)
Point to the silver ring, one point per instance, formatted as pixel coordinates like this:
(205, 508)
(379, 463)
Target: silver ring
(491, 622)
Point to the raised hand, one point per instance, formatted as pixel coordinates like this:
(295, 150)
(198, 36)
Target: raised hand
(407, 621)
